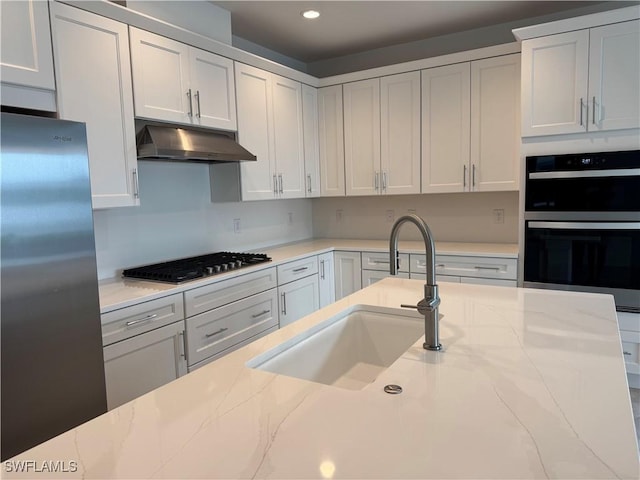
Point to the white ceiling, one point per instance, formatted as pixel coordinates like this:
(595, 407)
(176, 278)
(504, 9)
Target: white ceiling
(348, 27)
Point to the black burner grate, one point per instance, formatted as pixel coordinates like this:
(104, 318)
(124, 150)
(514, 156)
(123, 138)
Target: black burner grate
(181, 270)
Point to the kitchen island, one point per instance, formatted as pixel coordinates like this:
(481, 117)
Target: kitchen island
(530, 384)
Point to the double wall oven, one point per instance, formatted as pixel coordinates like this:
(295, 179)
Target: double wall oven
(582, 224)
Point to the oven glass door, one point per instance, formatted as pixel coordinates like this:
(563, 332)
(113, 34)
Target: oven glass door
(587, 191)
(595, 254)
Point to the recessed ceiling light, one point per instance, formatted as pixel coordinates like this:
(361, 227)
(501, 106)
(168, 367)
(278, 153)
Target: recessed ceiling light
(310, 14)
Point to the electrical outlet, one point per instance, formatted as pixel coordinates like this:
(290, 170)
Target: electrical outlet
(498, 215)
(290, 218)
(390, 216)
(236, 225)
(339, 215)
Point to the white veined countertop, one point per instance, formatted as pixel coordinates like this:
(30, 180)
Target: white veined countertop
(530, 384)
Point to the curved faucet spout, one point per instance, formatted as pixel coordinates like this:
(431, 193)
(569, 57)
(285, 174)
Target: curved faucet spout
(428, 306)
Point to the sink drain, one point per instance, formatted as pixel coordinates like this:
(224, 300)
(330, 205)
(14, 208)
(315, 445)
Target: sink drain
(393, 389)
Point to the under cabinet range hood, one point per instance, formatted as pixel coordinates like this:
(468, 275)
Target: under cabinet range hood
(179, 143)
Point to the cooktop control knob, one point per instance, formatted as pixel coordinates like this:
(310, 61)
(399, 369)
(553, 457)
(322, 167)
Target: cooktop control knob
(224, 267)
(209, 270)
(231, 265)
(217, 268)
(238, 263)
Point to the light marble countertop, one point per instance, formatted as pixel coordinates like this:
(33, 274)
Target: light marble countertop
(530, 384)
(119, 293)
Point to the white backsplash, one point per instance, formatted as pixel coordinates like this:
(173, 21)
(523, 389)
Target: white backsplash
(452, 217)
(176, 219)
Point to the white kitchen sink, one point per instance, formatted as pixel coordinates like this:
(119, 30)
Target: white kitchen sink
(348, 350)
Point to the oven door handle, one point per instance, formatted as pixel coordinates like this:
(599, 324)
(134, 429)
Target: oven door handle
(585, 225)
(622, 172)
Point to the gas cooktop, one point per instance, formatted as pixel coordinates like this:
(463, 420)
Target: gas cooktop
(181, 270)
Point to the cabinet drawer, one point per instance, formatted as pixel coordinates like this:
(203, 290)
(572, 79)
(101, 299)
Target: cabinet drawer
(482, 267)
(140, 318)
(380, 261)
(200, 300)
(631, 351)
(369, 277)
(299, 269)
(212, 358)
(214, 331)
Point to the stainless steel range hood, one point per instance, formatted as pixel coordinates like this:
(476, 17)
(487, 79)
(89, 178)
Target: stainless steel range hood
(182, 143)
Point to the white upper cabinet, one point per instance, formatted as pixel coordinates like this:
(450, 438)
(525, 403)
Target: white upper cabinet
(470, 126)
(270, 127)
(400, 133)
(495, 124)
(94, 86)
(178, 83)
(25, 54)
(362, 137)
(446, 106)
(382, 135)
(311, 145)
(331, 141)
(614, 76)
(585, 80)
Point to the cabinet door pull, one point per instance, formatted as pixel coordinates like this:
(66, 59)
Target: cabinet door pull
(464, 176)
(478, 267)
(626, 353)
(136, 186)
(284, 303)
(183, 348)
(581, 112)
(275, 185)
(280, 181)
(322, 269)
(217, 332)
(384, 181)
(190, 113)
(198, 103)
(309, 183)
(473, 175)
(375, 181)
(146, 319)
(593, 111)
(301, 269)
(264, 312)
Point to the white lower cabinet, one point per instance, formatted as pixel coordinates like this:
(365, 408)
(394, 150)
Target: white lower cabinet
(326, 279)
(376, 266)
(143, 348)
(143, 363)
(467, 269)
(223, 316)
(629, 324)
(369, 277)
(223, 329)
(298, 299)
(348, 266)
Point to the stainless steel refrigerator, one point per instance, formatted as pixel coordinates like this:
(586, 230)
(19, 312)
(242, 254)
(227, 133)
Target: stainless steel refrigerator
(52, 369)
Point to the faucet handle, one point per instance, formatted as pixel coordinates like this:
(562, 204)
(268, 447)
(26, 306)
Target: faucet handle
(424, 306)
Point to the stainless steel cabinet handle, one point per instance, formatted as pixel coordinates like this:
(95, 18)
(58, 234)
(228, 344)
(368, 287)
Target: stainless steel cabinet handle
(381, 262)
(384, 181)
(301, 269)
(581, 111)
(309, 183)
(217, 332)
(593, 111)
(375, 181)
(439, 265)
(275, 185)
(198, 103)
(190, 112)
(183, 348)
(146, 319)
(136, 186)
(627, 353)
(322, 269)
(284, 303)
(464, 176)
(264, 312)
(280, 181)
(478, 267)
(473, 175)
